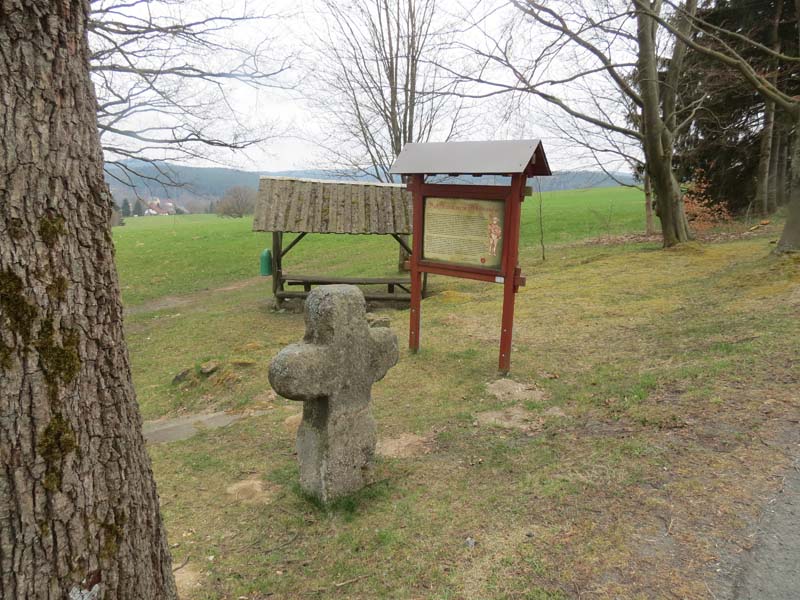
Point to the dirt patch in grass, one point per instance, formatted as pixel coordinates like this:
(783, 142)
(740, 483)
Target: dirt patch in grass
(188, 580)
(238, 285)
(514, 417)
(251, 491)
(170, 302)
(508, 390)
(405, 445)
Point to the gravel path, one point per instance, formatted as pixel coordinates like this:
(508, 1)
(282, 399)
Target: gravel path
(771, 571)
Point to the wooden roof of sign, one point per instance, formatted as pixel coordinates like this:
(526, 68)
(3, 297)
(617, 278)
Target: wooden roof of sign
(314, 206)
(473, 158)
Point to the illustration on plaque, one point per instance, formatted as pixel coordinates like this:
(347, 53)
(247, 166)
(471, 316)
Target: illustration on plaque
(495, 233)
(463, 232)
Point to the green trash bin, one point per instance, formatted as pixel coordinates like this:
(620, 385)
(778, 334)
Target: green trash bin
(266, 263)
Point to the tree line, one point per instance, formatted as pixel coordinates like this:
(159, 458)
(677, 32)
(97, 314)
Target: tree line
(238, 201)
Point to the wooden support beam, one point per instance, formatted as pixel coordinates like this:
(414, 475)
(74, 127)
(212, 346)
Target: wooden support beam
(292, 244)
(402, 242)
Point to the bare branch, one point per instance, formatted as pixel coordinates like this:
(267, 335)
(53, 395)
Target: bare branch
(164, 73)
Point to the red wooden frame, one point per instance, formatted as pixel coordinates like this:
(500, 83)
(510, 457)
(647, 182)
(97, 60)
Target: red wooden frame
(509, 272)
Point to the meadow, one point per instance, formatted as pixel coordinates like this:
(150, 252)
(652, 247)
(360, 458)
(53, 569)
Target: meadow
(167, 256)
(656, 412)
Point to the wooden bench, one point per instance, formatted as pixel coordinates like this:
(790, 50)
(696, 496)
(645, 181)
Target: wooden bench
(306, 281)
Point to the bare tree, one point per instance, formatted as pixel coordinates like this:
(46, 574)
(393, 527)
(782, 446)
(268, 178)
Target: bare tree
(610, 151)
(238, 201)
(164, 74)
(582, 57)
(79, 512)
(378, 84)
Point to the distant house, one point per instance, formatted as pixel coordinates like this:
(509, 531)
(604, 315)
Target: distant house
(156, 207)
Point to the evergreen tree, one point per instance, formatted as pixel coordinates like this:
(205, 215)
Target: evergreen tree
(725, 137)
(126, 208)
(138, 208)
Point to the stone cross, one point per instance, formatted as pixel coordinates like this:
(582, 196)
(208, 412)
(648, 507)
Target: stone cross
(332, 371)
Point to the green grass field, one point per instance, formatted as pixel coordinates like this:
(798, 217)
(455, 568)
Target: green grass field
(165, 256)
(665, 393)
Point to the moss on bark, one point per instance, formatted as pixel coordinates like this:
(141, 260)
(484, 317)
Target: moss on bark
(60, 363)
(19, 312)
(54, 444)
(57, 290)
(5, 356)
(51, 228)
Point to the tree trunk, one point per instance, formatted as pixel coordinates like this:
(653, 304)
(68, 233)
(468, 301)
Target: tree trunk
(774, 155)
(669, 202)
(790, 238)
(657, 136)
(791, 166)
(767, 165)
(783, 167)
(765, 151)
(648, 206)
(79, 515)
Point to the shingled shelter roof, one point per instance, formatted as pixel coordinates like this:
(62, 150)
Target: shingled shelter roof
(313, 206)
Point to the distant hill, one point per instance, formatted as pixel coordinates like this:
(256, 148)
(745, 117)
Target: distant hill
(209, 183)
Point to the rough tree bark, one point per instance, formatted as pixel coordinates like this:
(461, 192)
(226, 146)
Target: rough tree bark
(781, 183)
(79, 515)
(648, 206)
(790, 237)
(774, 154)
(764, 160)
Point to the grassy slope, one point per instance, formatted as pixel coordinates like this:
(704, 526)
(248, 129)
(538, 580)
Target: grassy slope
(675, 371)
(162, 259)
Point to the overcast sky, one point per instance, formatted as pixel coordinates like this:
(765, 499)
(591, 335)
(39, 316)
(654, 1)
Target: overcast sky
(297, 126)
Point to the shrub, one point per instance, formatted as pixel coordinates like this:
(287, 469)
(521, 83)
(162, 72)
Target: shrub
(238, 201)
(701, 211)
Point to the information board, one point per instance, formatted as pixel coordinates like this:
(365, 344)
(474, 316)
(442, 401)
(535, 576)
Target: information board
(463, 232)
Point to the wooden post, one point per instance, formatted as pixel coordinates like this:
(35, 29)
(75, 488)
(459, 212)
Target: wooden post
(402, 257)
(277, 274)
(510, 269)
(416, 255)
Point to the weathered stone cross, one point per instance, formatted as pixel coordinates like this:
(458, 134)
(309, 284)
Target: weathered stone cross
(332, 371)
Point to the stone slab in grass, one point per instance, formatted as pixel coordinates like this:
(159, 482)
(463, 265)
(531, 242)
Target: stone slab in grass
(181, 428)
